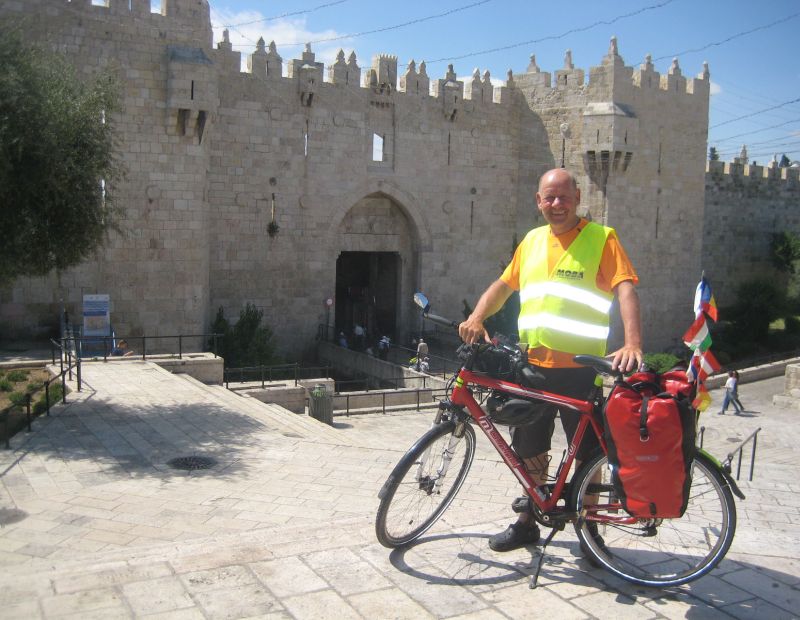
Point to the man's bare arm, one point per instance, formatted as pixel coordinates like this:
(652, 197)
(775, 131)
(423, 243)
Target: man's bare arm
(472, 330)
(629, 356)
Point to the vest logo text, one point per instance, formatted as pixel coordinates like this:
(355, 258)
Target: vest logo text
(568, 274)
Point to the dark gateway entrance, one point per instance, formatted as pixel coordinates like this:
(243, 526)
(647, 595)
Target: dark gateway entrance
(366, 294)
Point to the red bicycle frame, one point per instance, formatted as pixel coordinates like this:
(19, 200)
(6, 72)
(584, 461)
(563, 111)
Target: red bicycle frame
(462, 396)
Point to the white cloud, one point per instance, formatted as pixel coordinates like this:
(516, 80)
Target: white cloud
(290, 36)
(715, 88)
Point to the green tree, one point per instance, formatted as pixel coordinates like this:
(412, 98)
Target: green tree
(785, 251)
(759, 303)
(248, 343)
(784, 163)
(57, 163)
(712, 154)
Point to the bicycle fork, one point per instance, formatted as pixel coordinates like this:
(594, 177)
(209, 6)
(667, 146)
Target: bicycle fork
(425, 480)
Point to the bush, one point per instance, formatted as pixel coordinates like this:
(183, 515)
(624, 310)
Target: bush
(56, 394)
(661, 362)
(759, 303)
(17, 376)
(248, 343)
(6, 385)
(18, 398)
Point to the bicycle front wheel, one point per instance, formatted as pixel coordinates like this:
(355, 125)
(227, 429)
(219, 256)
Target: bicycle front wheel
(655, 552)
(424, 483)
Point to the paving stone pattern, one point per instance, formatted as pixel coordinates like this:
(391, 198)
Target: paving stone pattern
(95, 524)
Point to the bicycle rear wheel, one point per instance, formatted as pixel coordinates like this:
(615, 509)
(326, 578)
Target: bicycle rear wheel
(655, 552)
(424, 483)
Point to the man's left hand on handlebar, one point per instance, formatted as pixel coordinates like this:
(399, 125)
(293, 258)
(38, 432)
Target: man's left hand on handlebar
(626, 359)
(472, 331)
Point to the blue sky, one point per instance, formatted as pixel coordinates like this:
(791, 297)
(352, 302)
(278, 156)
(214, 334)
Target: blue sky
(751, 72)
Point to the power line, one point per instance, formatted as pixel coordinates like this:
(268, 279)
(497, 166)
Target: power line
(732, 37)
(289, 14)
(767, 144)
(559, 36)
(747, 133)
(395, 26)
(781, 105)
(354, 35)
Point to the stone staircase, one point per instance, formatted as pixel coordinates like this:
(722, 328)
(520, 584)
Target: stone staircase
(274, 417)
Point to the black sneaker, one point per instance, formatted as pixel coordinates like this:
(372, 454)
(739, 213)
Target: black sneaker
(515, 536)
(591, 528)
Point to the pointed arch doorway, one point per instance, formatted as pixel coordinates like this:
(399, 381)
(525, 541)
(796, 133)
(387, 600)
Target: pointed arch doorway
(366, 294)
(377, 267)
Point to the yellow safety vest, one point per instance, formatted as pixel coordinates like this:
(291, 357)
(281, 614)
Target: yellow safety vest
(564, 310)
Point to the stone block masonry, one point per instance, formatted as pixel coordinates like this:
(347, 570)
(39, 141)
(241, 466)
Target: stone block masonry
(439, 172)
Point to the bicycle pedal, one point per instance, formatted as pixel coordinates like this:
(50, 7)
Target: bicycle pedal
(522, 504)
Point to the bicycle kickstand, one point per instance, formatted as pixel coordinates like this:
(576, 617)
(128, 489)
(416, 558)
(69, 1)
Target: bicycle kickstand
(535, 576)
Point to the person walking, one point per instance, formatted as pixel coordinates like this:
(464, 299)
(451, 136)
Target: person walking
(567, 273)
(731, 392)
(736, 392)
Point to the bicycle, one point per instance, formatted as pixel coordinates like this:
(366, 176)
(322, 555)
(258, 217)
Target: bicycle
(650, 552)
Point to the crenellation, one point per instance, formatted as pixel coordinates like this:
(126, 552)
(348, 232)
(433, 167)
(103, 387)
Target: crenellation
(737, 172)
(450, 92)
(344, 73)
(569, 77)
(674, 80)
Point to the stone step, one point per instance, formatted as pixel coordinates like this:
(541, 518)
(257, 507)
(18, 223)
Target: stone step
(273, 416)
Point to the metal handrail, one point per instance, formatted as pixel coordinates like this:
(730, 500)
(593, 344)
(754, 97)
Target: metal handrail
(267, 373)
(417, 407)
(107, 341)
(726, 464)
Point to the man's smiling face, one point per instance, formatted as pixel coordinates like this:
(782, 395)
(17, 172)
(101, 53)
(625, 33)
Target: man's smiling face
(558, 199)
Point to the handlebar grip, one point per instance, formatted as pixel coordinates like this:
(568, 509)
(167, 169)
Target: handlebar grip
(440, 320)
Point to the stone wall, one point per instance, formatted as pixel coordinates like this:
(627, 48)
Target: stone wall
(216, 155)
(745, 206)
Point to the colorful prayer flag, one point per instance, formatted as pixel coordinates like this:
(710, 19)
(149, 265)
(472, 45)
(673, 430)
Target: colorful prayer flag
(702, 365)
(697, 336)
(704, 300)
(702, 400)
(707, 365)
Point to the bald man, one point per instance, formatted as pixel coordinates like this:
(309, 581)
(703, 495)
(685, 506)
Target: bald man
(567, 273)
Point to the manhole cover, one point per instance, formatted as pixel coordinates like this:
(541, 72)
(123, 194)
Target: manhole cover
(11, 515)
(191, 463)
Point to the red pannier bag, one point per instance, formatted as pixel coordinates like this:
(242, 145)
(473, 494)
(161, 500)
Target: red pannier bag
(650, 431)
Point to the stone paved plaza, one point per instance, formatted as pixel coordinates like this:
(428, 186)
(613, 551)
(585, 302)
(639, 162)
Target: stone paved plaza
(95, 524)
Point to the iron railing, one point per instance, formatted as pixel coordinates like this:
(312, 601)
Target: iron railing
(84, 345)
(726, 464)
(279, 372)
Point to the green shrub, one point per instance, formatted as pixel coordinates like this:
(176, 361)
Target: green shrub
(792, 325)
(759, 303)
(6, 385)
(34, 386)
(17, 376)
(247, 343)
(661, 362)
(56, 393)
(18, 398)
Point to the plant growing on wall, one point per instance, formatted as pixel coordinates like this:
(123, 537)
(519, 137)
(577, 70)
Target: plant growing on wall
(57, 162)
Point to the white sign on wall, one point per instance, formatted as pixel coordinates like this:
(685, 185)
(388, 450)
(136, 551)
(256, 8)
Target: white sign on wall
(96, 315)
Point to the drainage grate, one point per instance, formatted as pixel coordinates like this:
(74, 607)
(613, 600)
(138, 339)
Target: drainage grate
(191, 463)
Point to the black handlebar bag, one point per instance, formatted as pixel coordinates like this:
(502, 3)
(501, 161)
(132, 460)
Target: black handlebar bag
(650, 433)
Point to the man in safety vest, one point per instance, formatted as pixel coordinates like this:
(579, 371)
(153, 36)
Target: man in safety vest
(567, 274)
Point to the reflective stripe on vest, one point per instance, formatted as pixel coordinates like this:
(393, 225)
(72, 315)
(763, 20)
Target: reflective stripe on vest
(564, 310)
